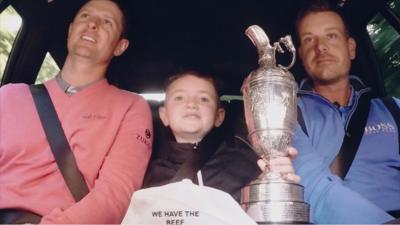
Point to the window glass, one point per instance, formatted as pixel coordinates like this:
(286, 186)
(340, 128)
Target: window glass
(48, 70)
(10, 24)
(386, 42)
(395, 6)
(161, 97)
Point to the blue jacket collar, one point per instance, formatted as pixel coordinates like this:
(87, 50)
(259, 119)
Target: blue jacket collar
(306, 84)
(358, 88)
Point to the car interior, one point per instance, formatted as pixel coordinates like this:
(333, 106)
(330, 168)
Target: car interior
(168, 36)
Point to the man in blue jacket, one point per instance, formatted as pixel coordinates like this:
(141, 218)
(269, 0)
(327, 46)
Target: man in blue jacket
(328, 99)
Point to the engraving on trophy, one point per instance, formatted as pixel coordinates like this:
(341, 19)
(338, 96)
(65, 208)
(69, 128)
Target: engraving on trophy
(270, 105)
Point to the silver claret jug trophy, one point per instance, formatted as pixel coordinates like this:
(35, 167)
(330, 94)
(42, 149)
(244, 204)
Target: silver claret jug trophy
(270, 104)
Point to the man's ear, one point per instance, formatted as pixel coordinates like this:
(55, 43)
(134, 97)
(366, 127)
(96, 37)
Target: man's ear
(300, 52)
(164, 118)
(121, 47)
(219, 117)
(352, 45)
(69, 29)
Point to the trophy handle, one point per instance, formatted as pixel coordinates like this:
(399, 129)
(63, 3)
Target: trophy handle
(287, 41)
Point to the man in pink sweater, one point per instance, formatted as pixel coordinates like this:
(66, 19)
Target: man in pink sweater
(109, 130)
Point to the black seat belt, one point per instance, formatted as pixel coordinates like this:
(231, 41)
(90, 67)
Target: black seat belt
(58, 142)
(394, 109)
(352, 139)
(62, 153)
(300, 120)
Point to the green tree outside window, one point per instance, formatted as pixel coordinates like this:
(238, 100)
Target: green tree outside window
(48, 70)
(386, 41)
(10, 24)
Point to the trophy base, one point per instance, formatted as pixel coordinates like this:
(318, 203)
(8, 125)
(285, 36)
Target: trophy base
(278, 212)
(275, 202)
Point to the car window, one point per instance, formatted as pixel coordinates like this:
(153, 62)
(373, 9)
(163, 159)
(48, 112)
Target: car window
(10, 25)
(161, 97)
(48, 69)
(395, 6)
(386, 41)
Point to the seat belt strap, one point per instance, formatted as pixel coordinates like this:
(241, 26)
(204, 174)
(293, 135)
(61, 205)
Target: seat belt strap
(352, 139)
(58, 142)
(394, 109)
(300, 120)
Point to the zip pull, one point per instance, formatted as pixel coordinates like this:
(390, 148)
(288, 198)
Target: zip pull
(200, 178)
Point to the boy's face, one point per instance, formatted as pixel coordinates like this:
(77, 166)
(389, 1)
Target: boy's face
(191, 109)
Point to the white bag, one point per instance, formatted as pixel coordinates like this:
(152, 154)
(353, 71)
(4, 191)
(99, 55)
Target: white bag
(184, 203)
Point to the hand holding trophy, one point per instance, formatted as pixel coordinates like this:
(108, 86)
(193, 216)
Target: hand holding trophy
(270, 104)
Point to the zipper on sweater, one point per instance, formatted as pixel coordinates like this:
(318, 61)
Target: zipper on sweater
(326, 101)
(199, 175)
(353, 109)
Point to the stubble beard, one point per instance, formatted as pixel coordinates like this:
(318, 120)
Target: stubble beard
(326, 81)
(329, 76)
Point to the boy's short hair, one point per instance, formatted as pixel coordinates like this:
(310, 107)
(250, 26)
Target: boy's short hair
(316, 6)
(217, 84)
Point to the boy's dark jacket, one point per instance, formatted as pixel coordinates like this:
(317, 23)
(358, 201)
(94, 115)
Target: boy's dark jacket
(229, 163)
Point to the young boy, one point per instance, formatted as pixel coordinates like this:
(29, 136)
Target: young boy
(192, 112)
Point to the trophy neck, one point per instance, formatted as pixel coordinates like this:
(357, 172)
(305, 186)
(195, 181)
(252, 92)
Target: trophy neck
(266, 52)
(266, 57)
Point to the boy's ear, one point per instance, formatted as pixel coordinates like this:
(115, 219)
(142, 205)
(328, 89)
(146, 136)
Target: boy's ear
(220, 117)
(163, 116)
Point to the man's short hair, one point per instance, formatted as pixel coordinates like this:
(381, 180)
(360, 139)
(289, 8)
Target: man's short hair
(315, 6)
(123, 7)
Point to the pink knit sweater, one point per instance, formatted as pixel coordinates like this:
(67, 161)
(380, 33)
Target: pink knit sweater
(110, 134)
